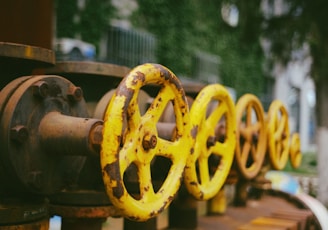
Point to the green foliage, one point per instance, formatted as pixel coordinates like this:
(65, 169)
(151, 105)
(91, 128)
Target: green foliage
(302, 22)
(308, 165)
(95, 20)
(89, 22)
(172, 29)
(65, 11)
(183, 27)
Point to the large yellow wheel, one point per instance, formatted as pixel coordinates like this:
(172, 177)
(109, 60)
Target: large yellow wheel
(295, 151)
(278, 135)
(139, 143)
(201, 180)
(251, 136)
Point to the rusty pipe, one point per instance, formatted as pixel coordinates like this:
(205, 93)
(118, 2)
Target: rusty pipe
(67, 135)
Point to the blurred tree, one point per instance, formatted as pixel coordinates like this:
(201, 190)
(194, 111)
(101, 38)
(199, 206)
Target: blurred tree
(184, 27)
(85, 19)
(302, 22)
(198, 24)
(171, 22)
(65, 12)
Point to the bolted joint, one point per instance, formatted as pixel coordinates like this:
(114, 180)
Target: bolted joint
(75, 94)
(40, 89)
(149, 142)
(19, 133)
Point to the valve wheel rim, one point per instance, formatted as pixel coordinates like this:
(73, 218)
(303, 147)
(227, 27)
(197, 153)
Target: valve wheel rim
(251, 137)
(115, 159)
(201, 184)
(278, 135)
(295, 151)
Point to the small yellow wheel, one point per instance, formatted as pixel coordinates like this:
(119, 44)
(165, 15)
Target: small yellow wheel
(200, 179)
(278, 135)
(139, 143)
(295, 151)
(251, 136)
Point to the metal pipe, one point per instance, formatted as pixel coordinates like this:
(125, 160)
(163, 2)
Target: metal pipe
(67, 135)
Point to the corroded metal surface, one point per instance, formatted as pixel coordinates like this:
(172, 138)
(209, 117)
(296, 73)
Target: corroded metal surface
(26, 52)
(13, 211)
(95, 78)
(37, 225)
(81, 212)
(24, 158)
(18, 60)
(88, 68)
(80, 197)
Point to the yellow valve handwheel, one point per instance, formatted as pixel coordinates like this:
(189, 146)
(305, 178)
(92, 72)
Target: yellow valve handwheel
(295, 151)
(278, 135)
(139, 143)
(199, 179)
(251, 136)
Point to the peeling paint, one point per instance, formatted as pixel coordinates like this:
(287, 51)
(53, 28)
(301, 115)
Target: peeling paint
(113, 171)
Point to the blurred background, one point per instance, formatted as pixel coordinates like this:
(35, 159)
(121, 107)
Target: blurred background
(263, 47)
(275, 49)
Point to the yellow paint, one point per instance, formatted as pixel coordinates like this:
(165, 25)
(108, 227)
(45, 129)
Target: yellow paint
(250, 122)
(131, 149)
(206, 127)
(295, 151)
(218, 204)
(278, 135)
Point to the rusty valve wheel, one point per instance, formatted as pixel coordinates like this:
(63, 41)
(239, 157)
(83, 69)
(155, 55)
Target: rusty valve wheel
(278, 135)
(295, 153)
(200, 179)
(140, 143)
(251, 136)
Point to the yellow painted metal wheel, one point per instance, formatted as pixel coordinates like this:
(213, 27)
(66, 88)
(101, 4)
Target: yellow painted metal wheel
(251, 136)
(278, 135)
(295, 151)
(213, 129)
(139, 143)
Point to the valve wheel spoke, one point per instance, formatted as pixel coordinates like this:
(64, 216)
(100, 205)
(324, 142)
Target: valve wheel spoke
(159, 103)
(145, 182)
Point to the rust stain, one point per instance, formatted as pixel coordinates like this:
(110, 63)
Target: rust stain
(194, 132)
(134, 218)
(126, 92)
(193, 183)
(138, 77)
(192, 150)
(113, 171)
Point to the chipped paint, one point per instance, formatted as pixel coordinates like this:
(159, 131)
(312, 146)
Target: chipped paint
(116, 156)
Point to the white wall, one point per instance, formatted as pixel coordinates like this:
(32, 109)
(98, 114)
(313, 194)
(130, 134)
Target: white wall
(289, 81)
